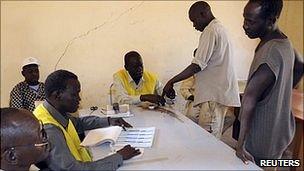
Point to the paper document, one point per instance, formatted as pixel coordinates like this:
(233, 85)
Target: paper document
(136, 137)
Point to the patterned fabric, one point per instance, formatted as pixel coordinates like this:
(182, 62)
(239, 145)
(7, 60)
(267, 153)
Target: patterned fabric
(22, 96)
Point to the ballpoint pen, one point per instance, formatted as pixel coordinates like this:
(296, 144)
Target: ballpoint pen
(123, 127)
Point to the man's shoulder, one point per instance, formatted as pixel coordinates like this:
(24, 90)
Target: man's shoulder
(279, 49)
(21, 86)
(119, 72)
(217, 28)
(41, 85)
(149, 73)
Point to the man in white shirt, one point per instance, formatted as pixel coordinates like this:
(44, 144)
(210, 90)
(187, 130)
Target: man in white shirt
(215, 82)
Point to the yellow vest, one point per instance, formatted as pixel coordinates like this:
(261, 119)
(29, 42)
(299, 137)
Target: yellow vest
(148, 86)
(71, 136)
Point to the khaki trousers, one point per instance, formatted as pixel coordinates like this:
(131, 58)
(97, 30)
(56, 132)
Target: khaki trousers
(212, 116)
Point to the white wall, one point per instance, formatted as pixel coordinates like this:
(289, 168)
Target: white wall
(101, 33)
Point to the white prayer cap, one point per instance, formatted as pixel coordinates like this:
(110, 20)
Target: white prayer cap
(29, 61)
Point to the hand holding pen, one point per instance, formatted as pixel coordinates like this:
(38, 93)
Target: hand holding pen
(119, 122)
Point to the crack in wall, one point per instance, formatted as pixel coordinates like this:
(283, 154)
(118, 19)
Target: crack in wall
(95, 29)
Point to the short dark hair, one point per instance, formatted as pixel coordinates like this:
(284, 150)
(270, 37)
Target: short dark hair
(200, 5)
(129, 55)
(270, 8)
(10, 118)
(57, 81)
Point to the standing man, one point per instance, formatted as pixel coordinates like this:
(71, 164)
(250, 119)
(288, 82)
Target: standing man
(133, 84)
(267, 124)
(215, 82)
(30, 90)
(62, 90)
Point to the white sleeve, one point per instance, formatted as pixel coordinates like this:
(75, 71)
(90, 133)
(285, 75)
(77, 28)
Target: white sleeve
(205, 48)
(120, 95)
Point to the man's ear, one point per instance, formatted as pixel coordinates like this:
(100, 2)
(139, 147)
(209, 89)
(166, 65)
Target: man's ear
(10, 156)
(56, 94)
(271, 21)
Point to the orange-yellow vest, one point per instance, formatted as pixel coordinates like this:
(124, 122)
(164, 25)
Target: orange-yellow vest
(71, 136)
(148, 86)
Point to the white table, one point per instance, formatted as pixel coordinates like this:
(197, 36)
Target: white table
(178, 144)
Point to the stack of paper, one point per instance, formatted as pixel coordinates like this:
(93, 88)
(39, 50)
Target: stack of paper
(136, 137)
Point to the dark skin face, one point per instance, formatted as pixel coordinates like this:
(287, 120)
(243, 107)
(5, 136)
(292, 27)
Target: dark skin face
(31, 74)
(199, 19)
(22, 152)
(135, 68)
(255, 26)
(69, 99)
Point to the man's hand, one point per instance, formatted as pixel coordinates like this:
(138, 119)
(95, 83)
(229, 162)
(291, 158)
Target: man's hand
(191, 97)
(243, 154)
(128, 152)
(153, 98)
(169, 90)
(119, 122)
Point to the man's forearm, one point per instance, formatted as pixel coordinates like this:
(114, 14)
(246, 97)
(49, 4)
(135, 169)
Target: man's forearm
(246, 113)
(188, 72)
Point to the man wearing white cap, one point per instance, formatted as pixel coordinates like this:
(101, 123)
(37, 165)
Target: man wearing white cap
(26, 93)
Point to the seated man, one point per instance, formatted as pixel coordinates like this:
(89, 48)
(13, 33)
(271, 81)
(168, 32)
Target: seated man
(62, 90)
(30, 90)
(23, 140)
(133, 85)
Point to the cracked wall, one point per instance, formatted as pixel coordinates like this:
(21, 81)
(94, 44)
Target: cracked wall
(91, 38)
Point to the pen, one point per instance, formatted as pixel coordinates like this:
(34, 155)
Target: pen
(123, 127)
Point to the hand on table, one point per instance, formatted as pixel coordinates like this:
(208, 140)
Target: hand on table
(153, 98)
(119, 122)
(244, 155)
(128, 152)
